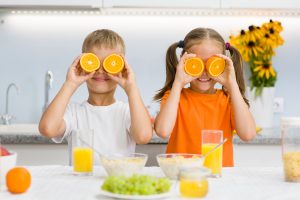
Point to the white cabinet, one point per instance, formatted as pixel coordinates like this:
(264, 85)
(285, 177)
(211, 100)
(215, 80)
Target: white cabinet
(261, 4)
(161, 4)
(51, 3)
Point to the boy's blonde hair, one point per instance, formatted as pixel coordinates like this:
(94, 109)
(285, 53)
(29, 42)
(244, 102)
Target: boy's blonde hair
(103, 38)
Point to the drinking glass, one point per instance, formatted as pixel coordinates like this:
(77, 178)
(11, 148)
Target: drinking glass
(83, 151)
(213, 161)
(290, 143)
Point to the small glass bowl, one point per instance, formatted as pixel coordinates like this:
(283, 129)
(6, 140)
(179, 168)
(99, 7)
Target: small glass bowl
(193, 181)
(171, 163)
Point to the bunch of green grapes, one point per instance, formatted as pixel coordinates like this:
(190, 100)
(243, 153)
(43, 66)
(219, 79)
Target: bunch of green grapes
(136, 185)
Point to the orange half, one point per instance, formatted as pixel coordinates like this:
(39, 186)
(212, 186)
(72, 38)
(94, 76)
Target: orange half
(89, 62)
(215, 66)
(194, 66)
(113, 64)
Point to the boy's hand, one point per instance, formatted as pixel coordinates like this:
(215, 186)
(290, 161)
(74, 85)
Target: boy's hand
(181, 77)
(76, 76)
(126, 78)
(227, 78)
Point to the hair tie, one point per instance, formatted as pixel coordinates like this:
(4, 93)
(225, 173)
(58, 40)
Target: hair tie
(181, 44)
(227, 46)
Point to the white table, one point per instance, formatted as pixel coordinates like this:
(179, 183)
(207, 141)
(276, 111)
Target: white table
(57, 182)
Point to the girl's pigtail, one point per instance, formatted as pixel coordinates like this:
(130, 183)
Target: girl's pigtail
(239, 72)
(171, 63)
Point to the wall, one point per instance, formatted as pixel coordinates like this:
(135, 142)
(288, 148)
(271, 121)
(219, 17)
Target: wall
(30, 44)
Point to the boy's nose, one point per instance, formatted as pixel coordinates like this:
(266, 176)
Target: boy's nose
(100, 70)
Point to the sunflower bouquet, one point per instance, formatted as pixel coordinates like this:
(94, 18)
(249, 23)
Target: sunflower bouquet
(257, 45)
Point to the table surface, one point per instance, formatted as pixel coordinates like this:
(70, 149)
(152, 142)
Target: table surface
(58, 182)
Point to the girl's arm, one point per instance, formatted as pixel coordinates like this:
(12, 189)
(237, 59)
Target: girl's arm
(244, 122)
(52, 123)
(141, 128)
(166, 118)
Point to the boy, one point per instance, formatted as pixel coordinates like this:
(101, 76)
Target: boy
(117, 126)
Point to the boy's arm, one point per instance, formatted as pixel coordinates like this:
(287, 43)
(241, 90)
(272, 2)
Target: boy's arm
(166, 118)
(141, 129)
(52, 123)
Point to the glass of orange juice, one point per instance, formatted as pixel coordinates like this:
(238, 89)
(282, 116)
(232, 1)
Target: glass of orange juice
(213, 161)
(82, 151)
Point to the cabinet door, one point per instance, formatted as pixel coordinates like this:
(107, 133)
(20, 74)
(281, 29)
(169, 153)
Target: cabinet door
(264, 4)
(162, 3)
(51, 3)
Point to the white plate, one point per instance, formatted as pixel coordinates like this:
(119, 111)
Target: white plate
(141, 197)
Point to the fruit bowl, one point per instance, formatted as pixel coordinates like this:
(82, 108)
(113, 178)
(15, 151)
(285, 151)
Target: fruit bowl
(123, 165)
(172, 163)
(7, 161)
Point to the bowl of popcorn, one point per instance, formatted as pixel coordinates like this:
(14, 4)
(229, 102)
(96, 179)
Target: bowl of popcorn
(172, 163)
(123, 165)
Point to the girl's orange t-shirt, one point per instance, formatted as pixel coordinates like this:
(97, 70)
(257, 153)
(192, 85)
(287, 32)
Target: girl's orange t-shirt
(197, 112)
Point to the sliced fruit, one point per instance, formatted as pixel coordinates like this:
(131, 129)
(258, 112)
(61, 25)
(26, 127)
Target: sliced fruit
(215, 66)
(18, 180)
(89, 62)
(258, 129)
(4, 151)
(194, 66)
(113, 64)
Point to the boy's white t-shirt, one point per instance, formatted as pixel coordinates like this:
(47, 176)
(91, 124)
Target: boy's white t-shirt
(111, 125)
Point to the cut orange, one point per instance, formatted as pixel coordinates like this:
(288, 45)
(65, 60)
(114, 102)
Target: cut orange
(89, 62)
(215, 66)
(194, 66)
(18, 180)
(113, 64)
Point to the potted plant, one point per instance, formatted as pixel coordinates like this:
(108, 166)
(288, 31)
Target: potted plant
(257, 46)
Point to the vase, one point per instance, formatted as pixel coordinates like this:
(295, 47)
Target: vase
(261, 106)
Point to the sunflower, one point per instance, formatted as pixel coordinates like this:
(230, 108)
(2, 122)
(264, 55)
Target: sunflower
(274, 33)
(275, 25)
(268, 42)
(250, 50)
(264, 68)
(257, 46)
(253, 34)
(238, 40)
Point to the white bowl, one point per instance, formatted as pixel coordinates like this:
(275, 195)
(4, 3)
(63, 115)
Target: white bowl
(6, 163)
(119, 165)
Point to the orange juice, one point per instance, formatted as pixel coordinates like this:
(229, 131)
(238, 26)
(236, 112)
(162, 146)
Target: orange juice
(214, 159)
(83, 159)
(193, 188)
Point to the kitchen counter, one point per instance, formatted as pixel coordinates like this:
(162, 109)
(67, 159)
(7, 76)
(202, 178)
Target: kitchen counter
(57, 182)
(32, 136)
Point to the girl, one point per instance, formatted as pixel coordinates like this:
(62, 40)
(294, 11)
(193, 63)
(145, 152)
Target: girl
(185, 112)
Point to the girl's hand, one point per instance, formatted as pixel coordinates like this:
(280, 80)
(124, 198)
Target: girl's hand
(181, 77)
(126, 78)
(227, 78)
(76, 76)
